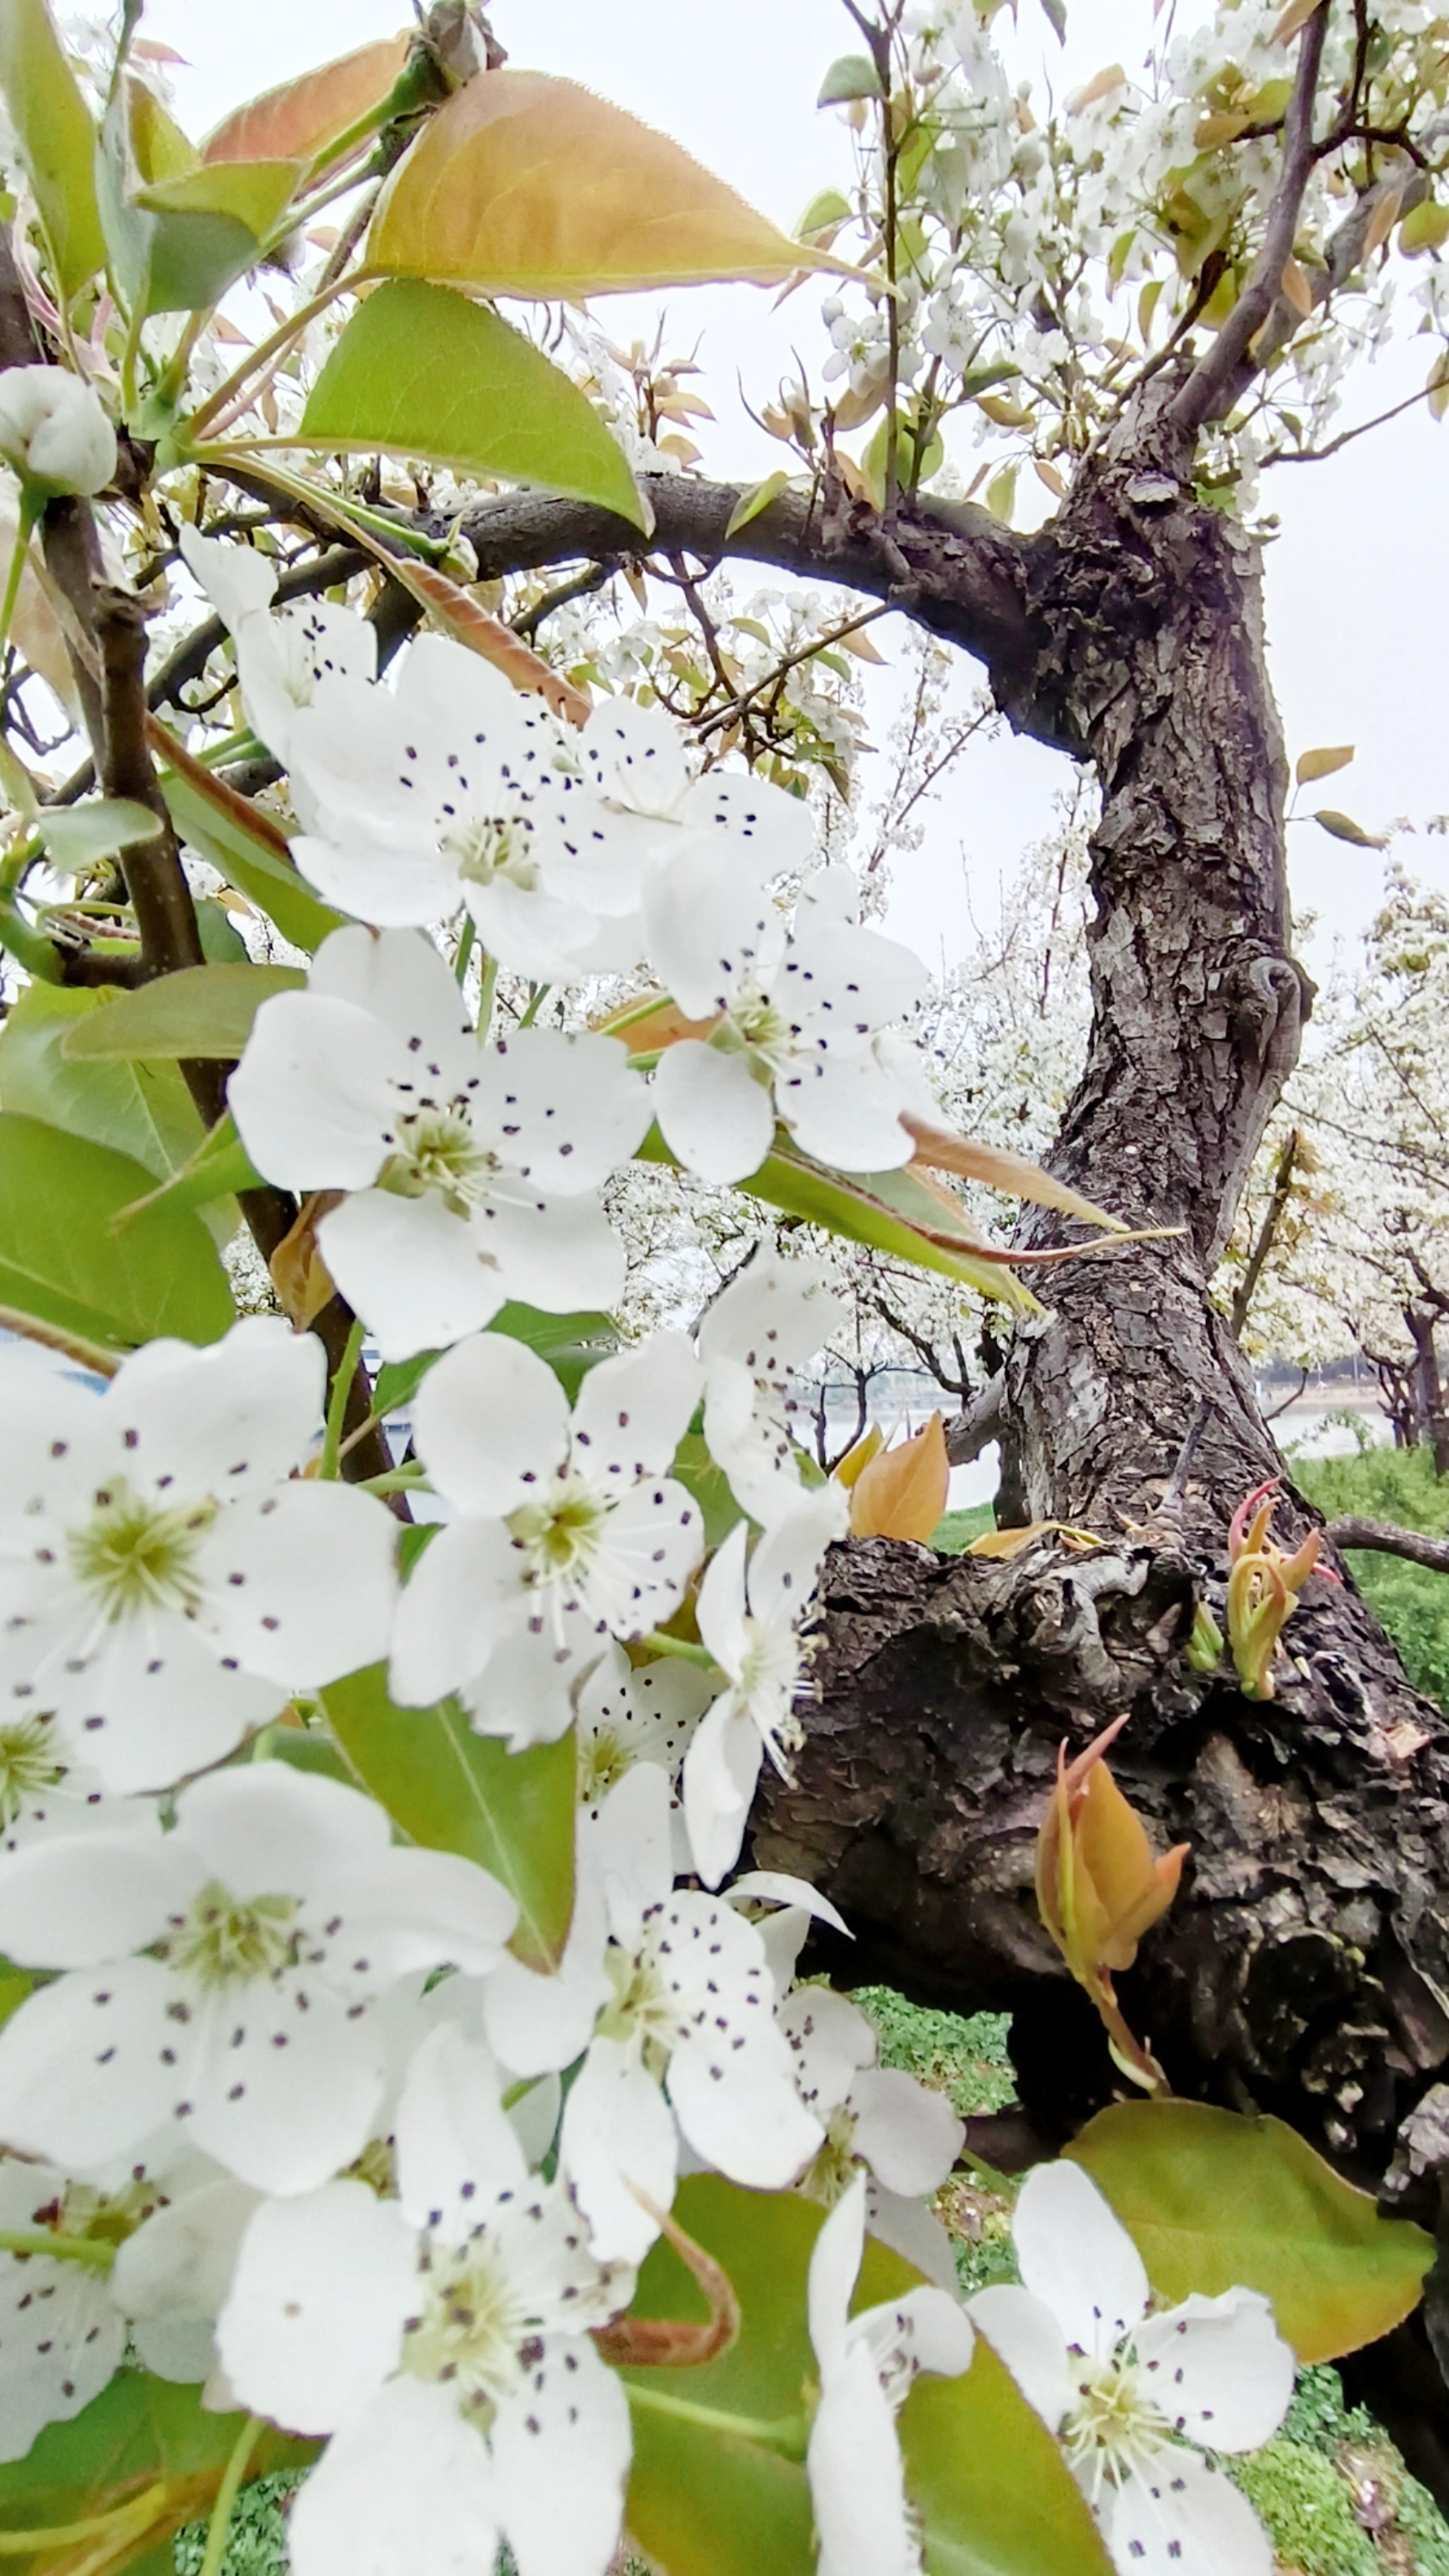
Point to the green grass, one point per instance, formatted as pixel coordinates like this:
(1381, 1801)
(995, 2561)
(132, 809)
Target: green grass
(953, 1535)
(1394, 1485)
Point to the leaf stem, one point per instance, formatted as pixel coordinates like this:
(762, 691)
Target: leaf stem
(785, 2433)
(226, 2496)
(398, 1480)
(342, 1377)
(659, 1643)
(93, 2251)
(256, 359)
(24, 529)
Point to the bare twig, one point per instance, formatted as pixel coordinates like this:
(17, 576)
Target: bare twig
(1272, 1219)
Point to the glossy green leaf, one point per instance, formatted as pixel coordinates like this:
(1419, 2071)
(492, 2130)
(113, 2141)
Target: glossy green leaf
(79, 836)
(751, 504)
(571, 1344)
(250, 861)
(888, 1210)
(64, 1260)
(452, 1790)
(201, 1011)
(993, 2491)
(422, 372)
(140, 2435)
(54, 136)
(1212, 2200)
(209, 1179)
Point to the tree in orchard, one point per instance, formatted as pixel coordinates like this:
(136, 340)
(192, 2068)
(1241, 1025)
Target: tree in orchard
(408, 1859)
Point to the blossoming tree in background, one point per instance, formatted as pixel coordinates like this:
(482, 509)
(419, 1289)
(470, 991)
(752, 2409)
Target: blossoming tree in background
(406, 2069)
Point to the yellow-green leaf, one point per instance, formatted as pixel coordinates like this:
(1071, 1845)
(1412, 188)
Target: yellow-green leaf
(54, 137)
(1322, 764)
(425, 373)
(750, 504)
(528, 185)
(1344, 828)
(65, 1259)
(247, 854)
(452, 1790)
(853, 76)
(1212, 2200)
(1425, 227)
(146, 1112)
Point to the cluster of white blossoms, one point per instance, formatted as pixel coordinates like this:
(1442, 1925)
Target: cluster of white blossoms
(283, 2113)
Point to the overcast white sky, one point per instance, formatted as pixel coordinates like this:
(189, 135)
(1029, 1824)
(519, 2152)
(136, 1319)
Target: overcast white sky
(1357, 580)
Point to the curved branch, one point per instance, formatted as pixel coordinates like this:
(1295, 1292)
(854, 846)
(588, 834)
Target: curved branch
(1386, 1539)
(966, 577)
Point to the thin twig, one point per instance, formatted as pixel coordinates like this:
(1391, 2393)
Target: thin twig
(1272, 1219)
(789, 662)
(1386, 1539)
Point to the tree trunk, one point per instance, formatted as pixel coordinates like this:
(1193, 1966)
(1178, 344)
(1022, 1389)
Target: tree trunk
(1305, 1964)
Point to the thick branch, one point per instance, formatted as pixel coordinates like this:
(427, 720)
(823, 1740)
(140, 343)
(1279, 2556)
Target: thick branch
(1205, 397)
(1386, 1540)
(966, 574)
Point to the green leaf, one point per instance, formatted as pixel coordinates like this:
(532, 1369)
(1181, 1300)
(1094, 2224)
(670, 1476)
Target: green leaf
(1056, 17)
(851, 76)
(79, 836)
(219, 1168)
(54, 137)
(140, 2433)
(200, 1011)
(888, 1210)
(452, 1790)
(1425, 227)
(995, 2495)
(824, 211)
(422, 372)
(180, 231)
(147, 1114)
(248, 860)
(63, 1259)
(571, 1344)
(750, 504)
(707, 1484)
(1342, 827)
(1212, 2200)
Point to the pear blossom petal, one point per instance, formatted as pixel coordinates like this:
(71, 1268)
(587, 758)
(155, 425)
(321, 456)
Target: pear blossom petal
(831, 2042)
(487, 1420)
(276, 2113)
(715, 1116)
(300, 1831)
(538, 2024)
(53, 1915)
(230, 1417)
(61, 2340)
(835, 2260)
(634, 1409)
(314, 2320)
(425, 1907)
(561, 2448)
(560, 1254)
(302, 1583)
(456, 2146)
(170, 2279)
(315, 1095)
(857, 2482)
(711, 933)
(1182, 2517)
(909, 2135)
(1219, 2369)
(416, 1272)
(617, 2130)
(83, 2076)
(1024, 2333)
(451, 1613)
(571, 1101)
(845, 1113)
(400, 978)
(403, 2479)
(1076, 2256)
(778, 1887)
(911, 2229)
(721, 1774)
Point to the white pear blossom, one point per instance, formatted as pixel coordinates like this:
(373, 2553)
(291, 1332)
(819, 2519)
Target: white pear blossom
(282, 656)
(172, 2275)
(447, 787)
(754, 1339)
(61, 2332)
(795, 1018)
(630, 1713)
(1126, 2391)
(670, 1993)
(443, 2340)
(165, 1582)
(867, 2364)
(219, 1978)
(474, 1169)
(750, 1621)
(54, 431)
(568, 1529)
(879, 2116)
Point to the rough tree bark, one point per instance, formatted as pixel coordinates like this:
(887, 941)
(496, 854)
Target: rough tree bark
(1305, 1966)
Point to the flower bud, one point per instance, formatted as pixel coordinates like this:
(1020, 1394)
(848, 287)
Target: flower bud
(54, 430)
(1099, 1888)
(1263, 1588)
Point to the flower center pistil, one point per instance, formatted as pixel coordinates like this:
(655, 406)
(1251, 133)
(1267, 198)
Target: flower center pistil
(757, 1025)
(603, 1760)
(27, 1765)
(439, 1150)
(561, 1531)
(1114, 2428)
(492, 849)
(221, 1941)
(829, 2178)
(641, 2009)
(135, 1555)
(469, 2329)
